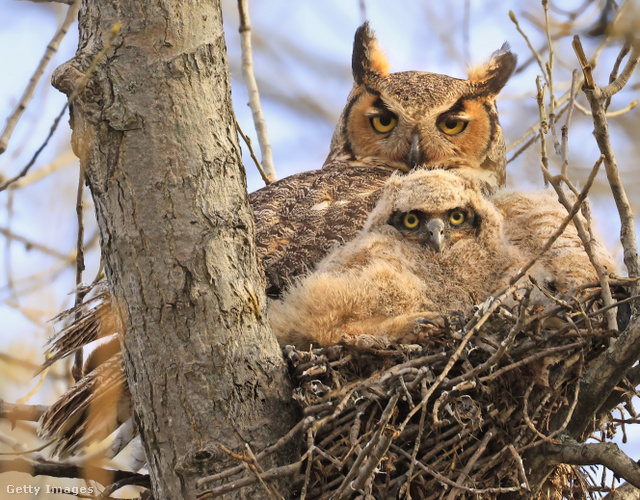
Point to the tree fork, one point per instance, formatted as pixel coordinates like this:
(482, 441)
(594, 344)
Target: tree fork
(154, 130)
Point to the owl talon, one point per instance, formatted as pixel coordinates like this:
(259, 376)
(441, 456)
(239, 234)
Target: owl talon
(423, 322)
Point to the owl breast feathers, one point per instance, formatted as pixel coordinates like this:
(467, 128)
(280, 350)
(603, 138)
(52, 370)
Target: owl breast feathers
(433, 243)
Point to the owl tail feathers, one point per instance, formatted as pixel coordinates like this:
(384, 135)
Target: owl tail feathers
(368, 60)
(92, 320)
(90, 411)
(493, 75)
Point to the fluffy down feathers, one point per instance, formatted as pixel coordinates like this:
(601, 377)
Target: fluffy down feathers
(382, 283)
(379, 284)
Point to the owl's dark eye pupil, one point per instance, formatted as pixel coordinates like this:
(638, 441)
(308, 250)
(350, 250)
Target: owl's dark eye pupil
(385, 121)
(451, 123)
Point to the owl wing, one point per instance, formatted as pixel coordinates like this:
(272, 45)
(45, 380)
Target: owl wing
(301, 218)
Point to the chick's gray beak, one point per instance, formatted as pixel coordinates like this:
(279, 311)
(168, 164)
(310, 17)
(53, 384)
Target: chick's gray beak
(415, 154)
(435, 234)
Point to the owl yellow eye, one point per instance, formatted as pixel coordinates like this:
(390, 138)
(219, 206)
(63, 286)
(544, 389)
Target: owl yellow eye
(384, 123)
(410, 221)
(452, 127)
(457, 217)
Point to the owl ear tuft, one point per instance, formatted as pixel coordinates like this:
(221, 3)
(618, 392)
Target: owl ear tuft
(493, 75)
(368, 58)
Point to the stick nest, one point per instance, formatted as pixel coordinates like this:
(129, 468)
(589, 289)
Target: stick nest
(452, 414)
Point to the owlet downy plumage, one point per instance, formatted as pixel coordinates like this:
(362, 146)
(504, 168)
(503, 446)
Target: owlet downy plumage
(433, 244)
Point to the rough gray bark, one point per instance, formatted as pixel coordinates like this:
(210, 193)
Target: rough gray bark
(154, 130)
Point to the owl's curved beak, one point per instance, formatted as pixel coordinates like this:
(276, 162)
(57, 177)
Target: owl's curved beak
(435, 235)
(415, 153)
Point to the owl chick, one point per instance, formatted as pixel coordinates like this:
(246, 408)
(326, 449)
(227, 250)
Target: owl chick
(391, 122)
(432, 244)
(530, 218)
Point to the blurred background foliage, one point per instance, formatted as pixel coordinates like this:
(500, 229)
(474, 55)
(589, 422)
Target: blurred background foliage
(302, 61)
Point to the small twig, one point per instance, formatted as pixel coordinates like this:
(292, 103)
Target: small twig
(115, 30)
(363, 11)
(472, 461)
(406, 487)
(363, 472)
(564, 148)
(451, 483)
(52, 48)
(112, 488)
(609, 114)
(549, 70)
(256, 468)
(307, 472)
(587, 70)
(76, 370)
(247, 141)
(530, 359)
(535, 53)
(30, 244)
(252, 89)
(28, 166)
(616, 67)
(299, 428)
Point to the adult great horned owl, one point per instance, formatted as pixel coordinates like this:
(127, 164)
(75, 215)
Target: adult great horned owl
(432, 244)
(392, 122)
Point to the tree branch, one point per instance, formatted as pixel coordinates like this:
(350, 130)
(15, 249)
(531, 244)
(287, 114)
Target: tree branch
(13, 412)
(252, 89)
(598, 97)
(607, 454)
(55, 469)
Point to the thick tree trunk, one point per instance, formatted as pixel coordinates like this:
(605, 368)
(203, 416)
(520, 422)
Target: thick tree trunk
(154, 130)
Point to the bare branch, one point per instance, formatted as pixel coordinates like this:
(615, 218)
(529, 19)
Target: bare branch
(83, 82)
(55, 469)
(252, 89)
(603, 375)
(597, 98)
(30, 244)
(12, 121)
(13, 412)
(625, 492)
(81, 291)
(247, 141)
(607, 454)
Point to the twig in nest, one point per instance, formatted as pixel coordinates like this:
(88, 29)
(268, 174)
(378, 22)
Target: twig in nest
(382, 436)
(278, 472)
